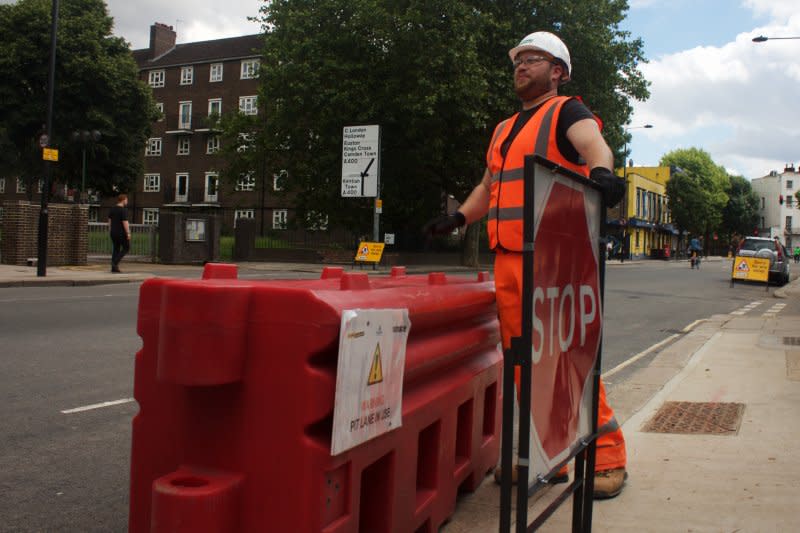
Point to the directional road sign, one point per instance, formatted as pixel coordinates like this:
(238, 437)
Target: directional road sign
(360, 161)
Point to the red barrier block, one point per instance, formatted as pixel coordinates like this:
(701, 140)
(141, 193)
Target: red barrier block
(195, 500)
(220, 271)
(236, 383)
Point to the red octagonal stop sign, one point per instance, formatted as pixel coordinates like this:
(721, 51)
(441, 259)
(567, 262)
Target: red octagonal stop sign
(567, 318)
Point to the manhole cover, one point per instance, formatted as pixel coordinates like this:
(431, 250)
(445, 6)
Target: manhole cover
(697, 418)
(791, 341)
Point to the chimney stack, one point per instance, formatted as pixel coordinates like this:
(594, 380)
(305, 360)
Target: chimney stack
(162, 39)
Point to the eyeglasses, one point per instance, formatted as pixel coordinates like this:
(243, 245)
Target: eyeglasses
(529, 61)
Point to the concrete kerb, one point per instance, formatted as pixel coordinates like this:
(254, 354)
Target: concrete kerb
(788, 290)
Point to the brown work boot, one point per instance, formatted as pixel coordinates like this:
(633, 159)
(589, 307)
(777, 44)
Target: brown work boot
(609, 483)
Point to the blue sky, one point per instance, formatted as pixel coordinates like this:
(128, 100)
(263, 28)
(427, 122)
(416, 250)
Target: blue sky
(712, 87)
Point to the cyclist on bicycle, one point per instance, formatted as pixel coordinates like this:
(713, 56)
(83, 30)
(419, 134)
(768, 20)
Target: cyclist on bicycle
(694, 252)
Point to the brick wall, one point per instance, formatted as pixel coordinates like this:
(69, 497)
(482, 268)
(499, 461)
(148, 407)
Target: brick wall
(67, 240)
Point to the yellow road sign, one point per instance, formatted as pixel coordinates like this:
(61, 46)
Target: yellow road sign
(750, 268)
(370, 252)
(50, 154)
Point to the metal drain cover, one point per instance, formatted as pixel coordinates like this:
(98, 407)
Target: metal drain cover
(697, 418)
(791, 341)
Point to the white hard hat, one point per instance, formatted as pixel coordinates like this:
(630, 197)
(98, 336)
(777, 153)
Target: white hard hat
(546, 42)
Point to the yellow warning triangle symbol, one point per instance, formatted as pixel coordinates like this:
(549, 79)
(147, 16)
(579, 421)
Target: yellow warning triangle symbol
(743, 267)
(376, 371)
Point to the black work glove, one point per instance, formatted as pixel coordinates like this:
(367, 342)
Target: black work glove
(613, 187)
(444, 224)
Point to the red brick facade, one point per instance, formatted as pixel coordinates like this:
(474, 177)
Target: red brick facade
(67, 240)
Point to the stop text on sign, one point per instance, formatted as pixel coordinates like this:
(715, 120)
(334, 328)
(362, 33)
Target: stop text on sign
(564, 309)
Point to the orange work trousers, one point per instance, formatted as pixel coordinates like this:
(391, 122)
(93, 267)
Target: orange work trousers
(508, 286)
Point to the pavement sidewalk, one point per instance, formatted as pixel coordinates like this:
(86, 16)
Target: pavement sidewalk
(737, 481)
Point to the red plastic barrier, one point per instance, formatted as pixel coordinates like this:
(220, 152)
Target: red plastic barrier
(236, 383)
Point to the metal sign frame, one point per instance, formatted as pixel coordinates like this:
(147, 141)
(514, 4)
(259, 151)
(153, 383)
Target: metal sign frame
(520, 355)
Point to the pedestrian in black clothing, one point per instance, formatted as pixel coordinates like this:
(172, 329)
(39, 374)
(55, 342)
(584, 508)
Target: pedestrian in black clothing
(120, 231)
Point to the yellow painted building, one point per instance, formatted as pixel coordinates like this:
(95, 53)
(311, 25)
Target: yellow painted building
(643, 223)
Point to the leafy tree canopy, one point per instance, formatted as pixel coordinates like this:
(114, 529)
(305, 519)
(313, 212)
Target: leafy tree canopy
(435, 74)
(96, 88)
(740, 215)
(696, 190)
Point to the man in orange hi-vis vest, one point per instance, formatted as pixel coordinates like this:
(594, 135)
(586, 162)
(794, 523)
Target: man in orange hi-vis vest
(563, 130)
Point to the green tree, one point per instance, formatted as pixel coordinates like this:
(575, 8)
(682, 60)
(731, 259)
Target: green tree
(434, 74)
(97, 88)
(696, 190)
(740, 215)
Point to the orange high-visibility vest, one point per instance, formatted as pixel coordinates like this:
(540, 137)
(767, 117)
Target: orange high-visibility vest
(538, 136)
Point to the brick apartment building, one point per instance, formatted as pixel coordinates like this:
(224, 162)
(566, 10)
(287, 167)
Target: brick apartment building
(191, 84)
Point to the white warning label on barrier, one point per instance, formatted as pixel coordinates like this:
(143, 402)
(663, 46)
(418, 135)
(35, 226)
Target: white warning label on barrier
(369, 376)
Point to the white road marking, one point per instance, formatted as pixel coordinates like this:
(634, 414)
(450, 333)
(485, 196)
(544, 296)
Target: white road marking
(749, 307)
(651, 349)
(638, 356)
(774, 310)
(96, 406)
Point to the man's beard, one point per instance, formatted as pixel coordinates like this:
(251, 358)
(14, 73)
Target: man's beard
(533, 88)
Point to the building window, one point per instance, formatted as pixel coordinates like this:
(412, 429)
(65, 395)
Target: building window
(212, 187)
(250, 68)
(215, 106)
(152, 182)
(763, 203)
(248, 105)
(153, 146)
(160, 109)
(243, 213)
(762, 222)
(2, 185)
(789, 200)
(789, 224)
(187, 75)
(21, 188)
(789, 184)
(215, 73)
(246, 182)
(279, 180)
(155, 78)
(150, 216)
(279, 219)
(212, 144)
(182, 187)
(185, 116)
(184, 144)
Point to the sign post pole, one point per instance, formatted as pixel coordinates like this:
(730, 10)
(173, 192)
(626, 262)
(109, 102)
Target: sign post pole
(377, 206)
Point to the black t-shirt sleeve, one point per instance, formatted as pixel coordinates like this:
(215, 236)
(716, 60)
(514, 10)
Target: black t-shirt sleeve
(573, 111)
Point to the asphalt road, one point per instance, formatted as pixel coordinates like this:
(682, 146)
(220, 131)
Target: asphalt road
(67, 347)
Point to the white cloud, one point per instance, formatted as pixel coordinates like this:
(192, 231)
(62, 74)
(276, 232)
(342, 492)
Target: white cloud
(737, 101)
(777, 9)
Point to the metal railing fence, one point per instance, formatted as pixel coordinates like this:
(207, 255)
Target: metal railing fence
(144, 241)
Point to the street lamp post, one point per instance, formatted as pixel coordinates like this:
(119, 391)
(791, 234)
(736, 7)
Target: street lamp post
(626, 236)
(762, 38)
(84, 137)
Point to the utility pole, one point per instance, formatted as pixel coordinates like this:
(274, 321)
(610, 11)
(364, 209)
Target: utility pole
(41, 258)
